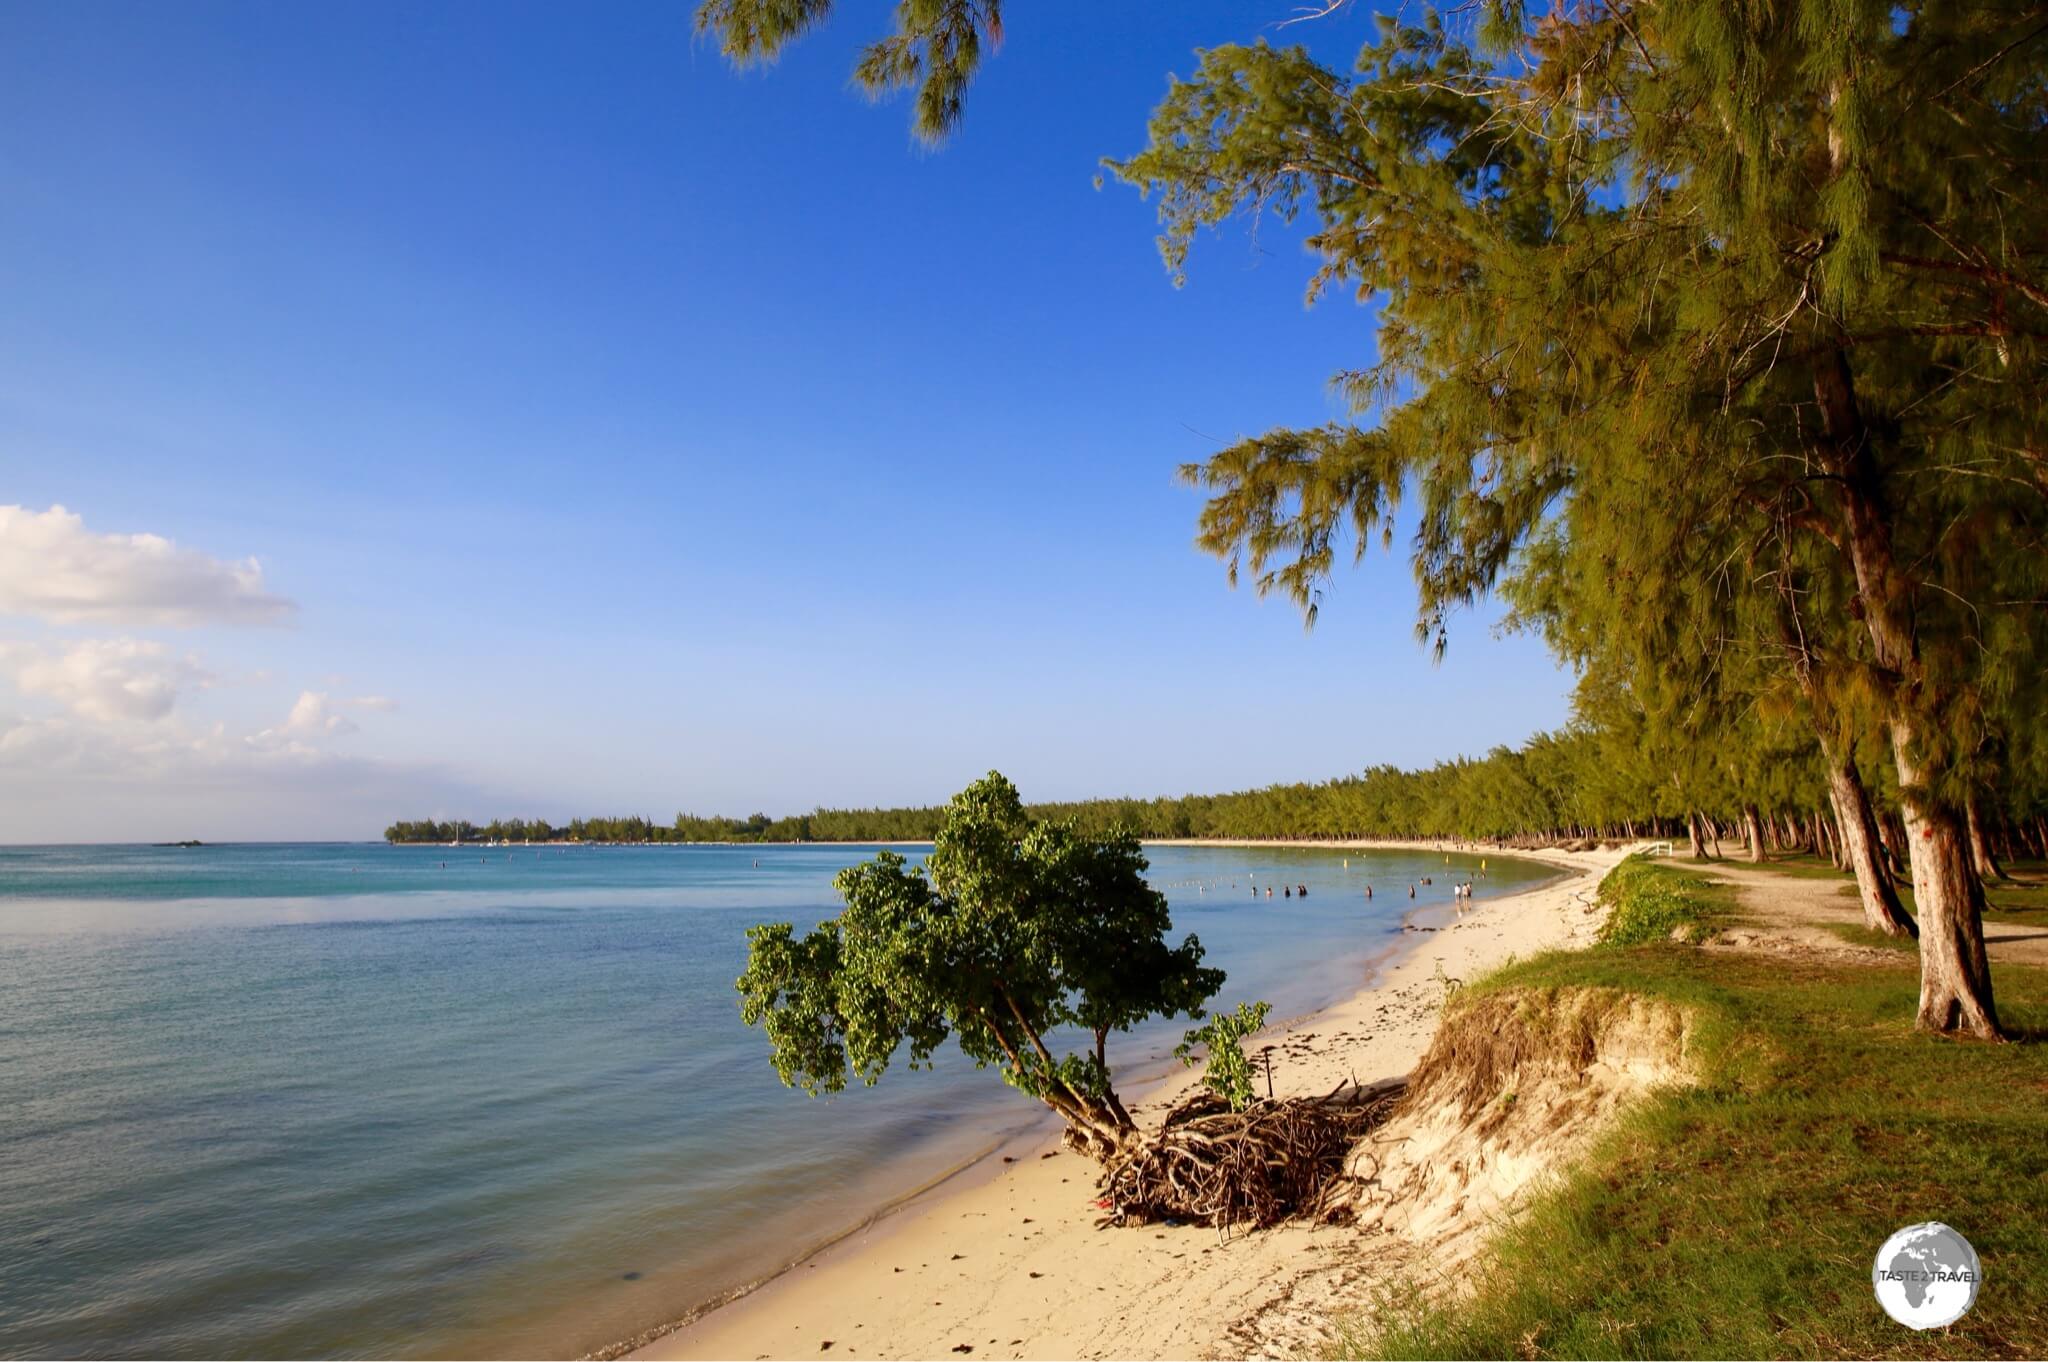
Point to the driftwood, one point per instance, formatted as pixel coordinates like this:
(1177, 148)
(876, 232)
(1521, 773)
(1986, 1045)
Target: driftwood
(1275, 1160)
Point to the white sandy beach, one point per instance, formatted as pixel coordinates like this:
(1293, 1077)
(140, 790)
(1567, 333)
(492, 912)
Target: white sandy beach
(1014, 1266)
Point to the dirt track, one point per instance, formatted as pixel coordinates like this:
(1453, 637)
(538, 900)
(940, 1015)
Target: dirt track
(1792, 914)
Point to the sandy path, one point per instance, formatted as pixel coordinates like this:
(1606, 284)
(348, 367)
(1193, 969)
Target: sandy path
(1795, 911)
(1015, 1267)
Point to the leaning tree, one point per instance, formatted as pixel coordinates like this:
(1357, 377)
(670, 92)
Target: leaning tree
(1013, 938)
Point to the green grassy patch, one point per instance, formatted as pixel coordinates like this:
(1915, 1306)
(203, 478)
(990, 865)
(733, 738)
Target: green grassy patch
(1740, 1217)
(1649, 901)
(2022, 900)
(1856, 934)
(1802, 864)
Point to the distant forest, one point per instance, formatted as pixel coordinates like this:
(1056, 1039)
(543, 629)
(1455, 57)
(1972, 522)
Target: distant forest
(1583, 782)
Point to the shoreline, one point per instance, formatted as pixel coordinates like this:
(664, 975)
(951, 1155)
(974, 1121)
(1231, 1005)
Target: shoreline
(840, 1296)
(1311, 843)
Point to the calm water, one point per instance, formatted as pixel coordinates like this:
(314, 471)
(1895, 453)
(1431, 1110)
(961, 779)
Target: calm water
(280, 1101)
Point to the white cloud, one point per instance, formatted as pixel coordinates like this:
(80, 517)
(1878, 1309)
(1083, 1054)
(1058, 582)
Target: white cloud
(314, 715)
(106, 679)
(52, 567)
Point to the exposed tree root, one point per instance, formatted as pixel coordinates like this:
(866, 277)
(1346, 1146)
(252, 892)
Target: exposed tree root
(1275, 1160)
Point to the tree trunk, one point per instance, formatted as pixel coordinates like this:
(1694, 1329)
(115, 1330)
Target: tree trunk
(1101, 1130)
(1753, 828)
(1692, 832)
(1955, 977)
(1882, 911)
(1981, 858)
(1891, 837)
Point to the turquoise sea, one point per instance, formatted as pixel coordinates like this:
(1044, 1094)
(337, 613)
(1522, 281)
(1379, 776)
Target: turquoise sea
(345, 1099)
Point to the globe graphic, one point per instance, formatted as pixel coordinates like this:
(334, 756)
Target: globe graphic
(1926, 1276)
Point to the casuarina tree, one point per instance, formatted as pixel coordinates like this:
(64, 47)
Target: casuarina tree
(1661, 279)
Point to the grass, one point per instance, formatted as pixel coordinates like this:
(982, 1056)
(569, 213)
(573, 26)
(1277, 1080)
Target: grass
(1740, 1217)
(1647, 901)
(1856, 934)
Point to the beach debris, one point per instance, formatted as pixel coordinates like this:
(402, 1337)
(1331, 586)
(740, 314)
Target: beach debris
(1272, 1161)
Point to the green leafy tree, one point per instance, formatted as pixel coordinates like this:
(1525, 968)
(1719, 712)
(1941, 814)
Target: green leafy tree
(1011, 935)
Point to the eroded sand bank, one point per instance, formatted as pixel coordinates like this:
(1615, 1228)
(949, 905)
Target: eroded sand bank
(1014, 1266)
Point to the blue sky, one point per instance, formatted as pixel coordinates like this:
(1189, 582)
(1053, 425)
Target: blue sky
(618, 432)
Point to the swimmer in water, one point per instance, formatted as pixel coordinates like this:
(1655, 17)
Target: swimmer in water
(1368, 891)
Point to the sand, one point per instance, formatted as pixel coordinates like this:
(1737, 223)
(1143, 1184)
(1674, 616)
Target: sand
(1013, 1265)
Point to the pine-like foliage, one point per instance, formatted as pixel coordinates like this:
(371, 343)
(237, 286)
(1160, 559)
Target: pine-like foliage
(935, 50)
(1710, 334)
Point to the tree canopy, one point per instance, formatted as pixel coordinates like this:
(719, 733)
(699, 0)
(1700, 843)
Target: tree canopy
(934, 51)
(1012, 933)
(1710, 336)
